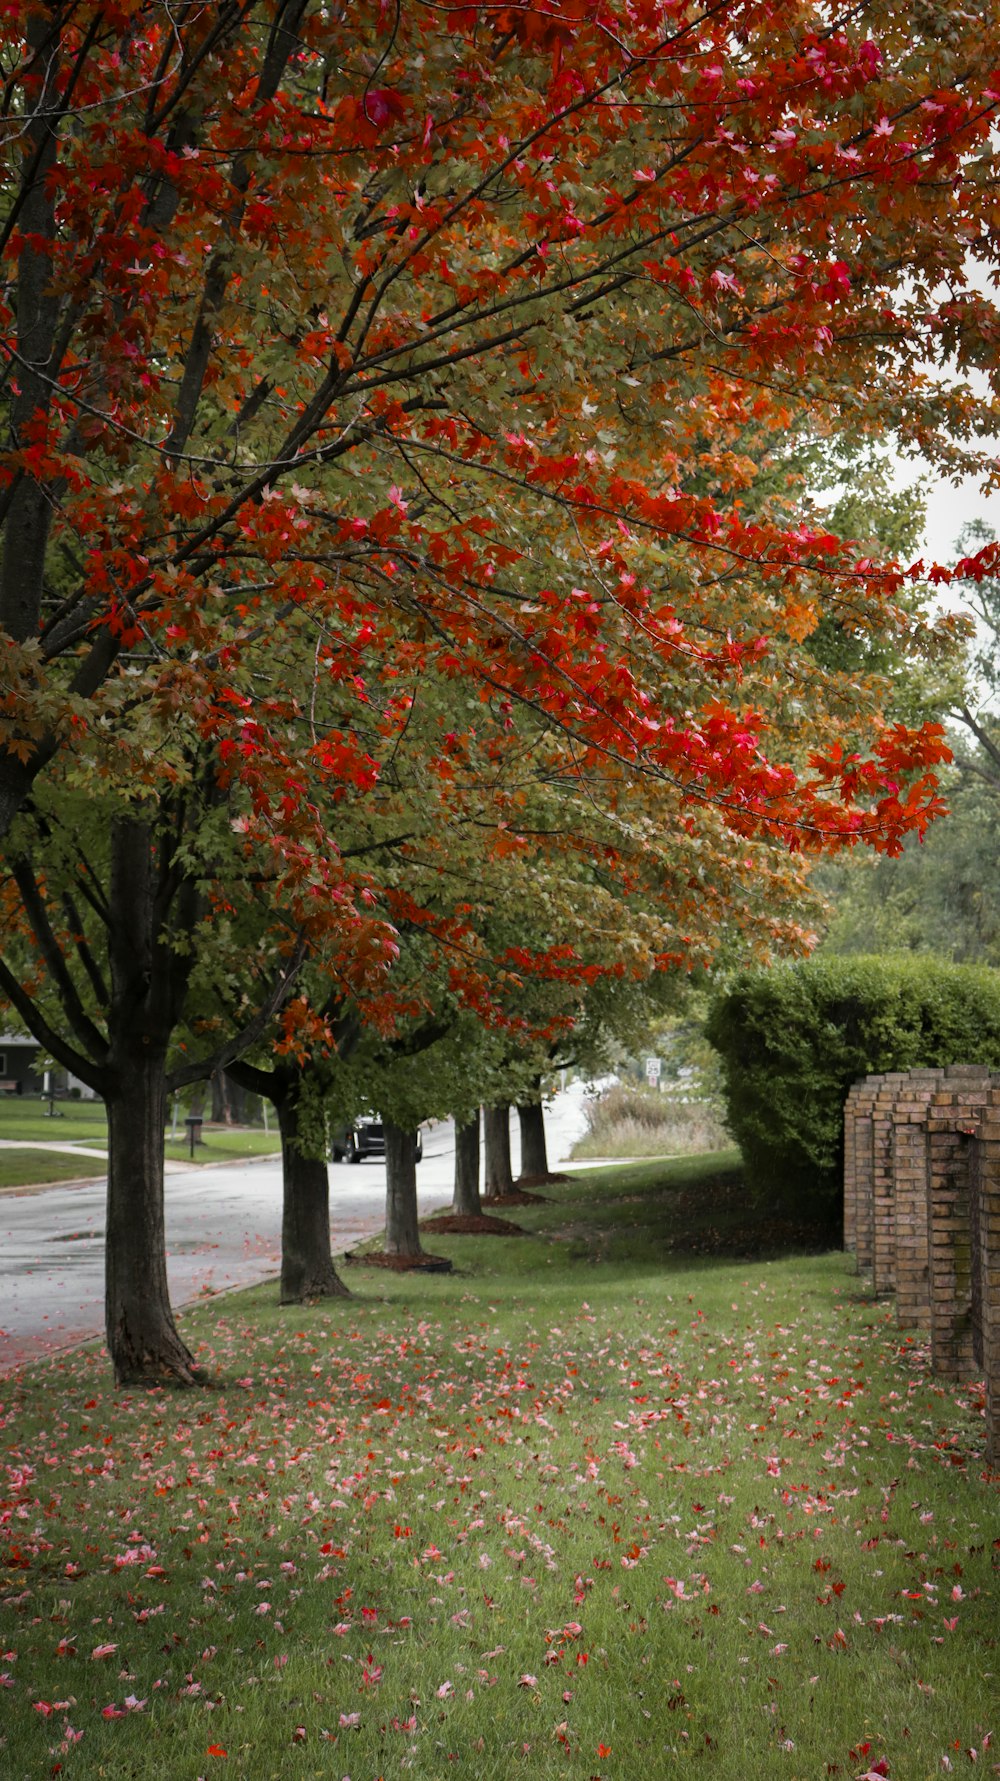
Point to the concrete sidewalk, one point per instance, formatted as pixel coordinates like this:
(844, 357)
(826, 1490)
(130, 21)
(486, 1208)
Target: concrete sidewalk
(57, 1144)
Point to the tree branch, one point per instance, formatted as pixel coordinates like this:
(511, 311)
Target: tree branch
(986, 743)
(88, 1034)
(248, 1036)
(83, 951)
(35, 1021)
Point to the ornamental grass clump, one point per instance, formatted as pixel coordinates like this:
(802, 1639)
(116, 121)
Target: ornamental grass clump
(627, 1121)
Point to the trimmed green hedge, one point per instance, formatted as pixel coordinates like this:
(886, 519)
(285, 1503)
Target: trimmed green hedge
(793, 1039)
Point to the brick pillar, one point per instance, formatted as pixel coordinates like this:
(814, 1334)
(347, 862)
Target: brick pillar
(985, 1265)
(909, 1176)
(859, 1161)
(959, 1096)
(854, 1094)
(883, 1263)
(950, 1131)
(954, 1117)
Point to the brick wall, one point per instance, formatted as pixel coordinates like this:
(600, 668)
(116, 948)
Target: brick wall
(922, 1211)
(859, 1171)
(883, 1261)
(955, 1116)
(909, 1172)
(985, 1265)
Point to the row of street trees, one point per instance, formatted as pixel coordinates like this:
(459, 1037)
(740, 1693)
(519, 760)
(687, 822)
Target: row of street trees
(414, 646)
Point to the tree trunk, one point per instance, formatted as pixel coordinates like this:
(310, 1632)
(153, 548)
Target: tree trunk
(228, 1100)
(534, 1152)
(142, 1337)
(219, 1108)
(231, 1103)
(496, 1128)
(307, 1270)
(402, 1235)
(36, 305)
(241, 1107)
(467, 1200)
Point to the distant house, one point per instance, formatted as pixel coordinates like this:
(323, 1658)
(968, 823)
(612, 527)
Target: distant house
(21, 1071)
(18, 1056)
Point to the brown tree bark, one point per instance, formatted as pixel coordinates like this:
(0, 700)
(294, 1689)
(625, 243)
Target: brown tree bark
(307, 1270)
(223, 1094)
(534, 1151)
(142, 1337)
(307, 1267)
(231, 1103)
(196, 1102)
(29, 505)
(496, 1130)
(242, 1108)
(402, 1233)
(138, 976)
(467, 1198)
(219, 1108)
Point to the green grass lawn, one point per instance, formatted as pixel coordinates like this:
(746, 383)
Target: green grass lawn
(617, 1498)
(85, 1122)
(34, 1168)
(221, 1143)
(76, 1122)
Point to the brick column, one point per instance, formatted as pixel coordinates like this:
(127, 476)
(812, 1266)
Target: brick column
(859, 1178)
(854, 1093)
(985, 1265)
(909, 1175)
(959, 1097)
(883, 1263)
(950, 1130)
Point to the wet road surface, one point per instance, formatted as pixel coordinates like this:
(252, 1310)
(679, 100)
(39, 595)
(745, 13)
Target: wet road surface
(223, 1230)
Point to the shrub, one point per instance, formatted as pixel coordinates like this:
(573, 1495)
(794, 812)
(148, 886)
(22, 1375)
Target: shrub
(794, 1039)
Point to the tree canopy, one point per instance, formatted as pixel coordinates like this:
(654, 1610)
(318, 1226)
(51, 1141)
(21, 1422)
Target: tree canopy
(394, 543)
(419, 329)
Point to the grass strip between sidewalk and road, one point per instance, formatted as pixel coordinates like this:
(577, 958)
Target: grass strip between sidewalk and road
(219, 1144)
(642, 1489)
(38, 1168)
(27, 1119)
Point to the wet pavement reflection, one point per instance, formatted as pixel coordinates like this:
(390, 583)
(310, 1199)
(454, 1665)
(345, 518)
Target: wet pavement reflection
(223, 1231)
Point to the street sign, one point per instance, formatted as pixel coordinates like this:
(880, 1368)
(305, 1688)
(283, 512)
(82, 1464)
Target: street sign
(652, 1071)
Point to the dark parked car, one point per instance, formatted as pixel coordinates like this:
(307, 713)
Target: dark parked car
(351, 1143)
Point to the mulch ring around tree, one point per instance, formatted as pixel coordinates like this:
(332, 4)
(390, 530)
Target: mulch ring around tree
(523, 1182)
(471, 1224)
(402, 1264)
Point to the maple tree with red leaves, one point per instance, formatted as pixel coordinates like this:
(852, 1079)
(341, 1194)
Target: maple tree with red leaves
(345, 358)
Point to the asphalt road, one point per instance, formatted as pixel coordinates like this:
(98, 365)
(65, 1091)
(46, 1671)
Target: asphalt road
(223, 1230)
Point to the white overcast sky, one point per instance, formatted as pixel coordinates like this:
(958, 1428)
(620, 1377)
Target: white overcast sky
(948, 510)
(950, 507)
